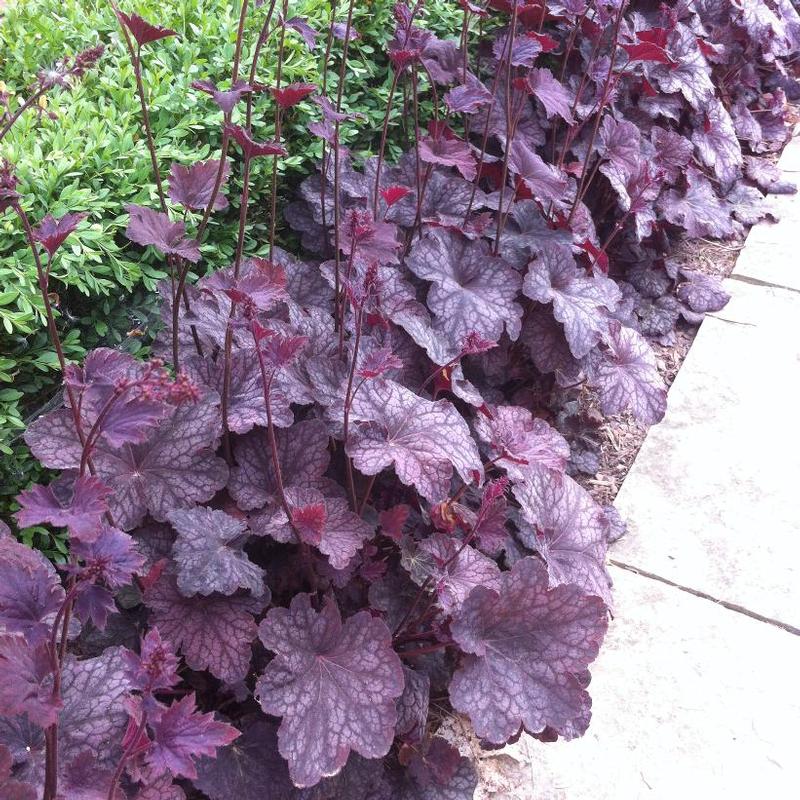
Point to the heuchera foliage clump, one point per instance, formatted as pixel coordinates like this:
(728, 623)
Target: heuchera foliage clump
(340, 506)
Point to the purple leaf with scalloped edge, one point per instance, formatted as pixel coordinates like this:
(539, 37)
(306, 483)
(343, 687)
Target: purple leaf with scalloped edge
(76, 504)
(10, 788)
(208, 553)
(338, 533)
(526, 645)
(522, 445)
(546, 182)
(580, 302)
(473, 291)
(619, 142)
(716, 142)
(26, 687)
(698, 210)
(30, 590)
(226, 99)
(334, 683)
(249, 769)
(51, 232)
(702, 293)
(689, 74)
(246, 398)
(304, 458)
(143, 31)
(412, 705)
(456, 569)
(673, 152)
(568, 529)
(214, 633)
(193, 186)
(423, 440)
(625, 375)
(550, 93)
(469, 97)
(149, 227)
(448, 153)
(436, 771)
(181, 734)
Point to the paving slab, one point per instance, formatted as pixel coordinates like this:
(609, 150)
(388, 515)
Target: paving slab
(690, 700)
(713, 500)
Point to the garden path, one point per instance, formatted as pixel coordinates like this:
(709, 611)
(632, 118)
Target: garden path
(695, 690)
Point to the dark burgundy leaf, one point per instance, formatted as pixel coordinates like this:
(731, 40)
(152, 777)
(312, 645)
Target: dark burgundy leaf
(193, 186)
(143, 31)
(148, 227)
(51, 232)
(552, 95)
(290, 95)
(250, 147)
(526, 645)
(333, 683)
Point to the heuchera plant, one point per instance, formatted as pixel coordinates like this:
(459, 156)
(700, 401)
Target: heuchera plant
(339, 505)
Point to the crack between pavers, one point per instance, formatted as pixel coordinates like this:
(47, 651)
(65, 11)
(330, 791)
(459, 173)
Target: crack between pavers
(758, 282)
(703, 595)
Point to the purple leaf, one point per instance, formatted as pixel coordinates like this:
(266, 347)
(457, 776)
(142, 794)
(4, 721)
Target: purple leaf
(457, 569)
(27, 681)
(526, 645)
(78, 505)
(448, 153)
(372, 240)
(323, 522)
(250, 147)
(249, 769)
(333, 683)
(339, 30)
(412, 705)
(208, 553)
(545, 181)
(11, 789)
(551, 94)
(246, 399)
(226, 99)
(472, 292)
(620, 143)
(689, 73)
(181, 734)
(30, 590)
(625, 375)
(51, 233)
(581, 303)
(304, 458)
(699, 211)
(300, 24)
(716, 142)
(673, 152)
(214, 633)
(423, 440)
(522, 445)
(193, 186)
(469, 97)
(143, 31)
(148, 227)
(702, 293)
(436, 771)
(111, 558)
(568, 529)
(155, 666)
